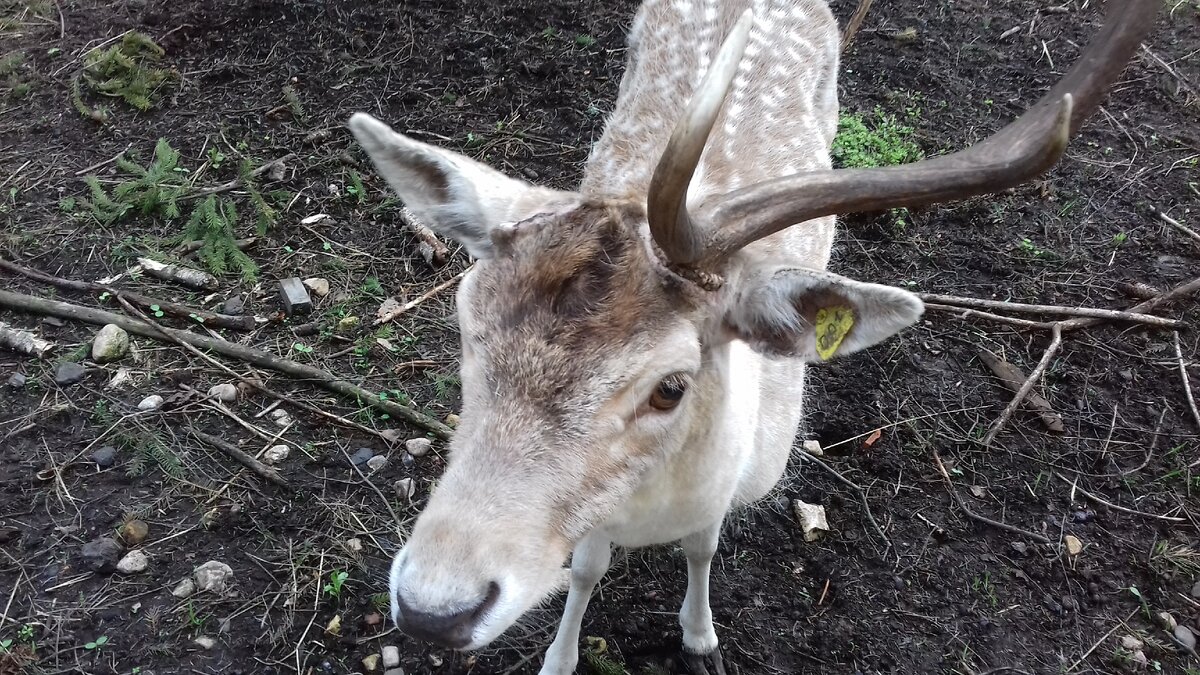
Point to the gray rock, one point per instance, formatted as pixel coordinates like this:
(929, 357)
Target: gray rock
(133, 562)
(225, 393)
(15, 381)
(184, 589)
(213, 576)
(295, 296)
(377, 462)
(391, 656)
(151, 402)
(105, 457)
(1185, 637)
(405, 488)
(394, 671)
(110, 344)
(234, 306)
(362, 456)
(275, 454)
(68, 372)
(418, 447)
(101, 554)
(205, 642)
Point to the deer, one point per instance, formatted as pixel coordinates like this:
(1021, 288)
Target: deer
(633, 352)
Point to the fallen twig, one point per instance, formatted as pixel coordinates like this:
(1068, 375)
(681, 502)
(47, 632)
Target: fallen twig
(1106, 314)
(965, 312)
(184, 251)
(64, 310)
(1178, 292)
(260, 469)
(1055, 343)
(432, 249)
(1081, 659)
(1176, 224)
(1014, 379)
(237, 182)
(1187, 384)
(862, 498)
(855, 22)
(182, 275)
(23, 341)
(391, 316)
(1075, 486)
(975, 516)
(211, 319)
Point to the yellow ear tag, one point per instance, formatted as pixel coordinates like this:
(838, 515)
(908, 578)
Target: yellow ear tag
(833, 324)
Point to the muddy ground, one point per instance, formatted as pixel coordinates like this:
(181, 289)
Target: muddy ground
(525, 86)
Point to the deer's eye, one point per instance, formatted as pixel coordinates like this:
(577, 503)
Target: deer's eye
(668, 393)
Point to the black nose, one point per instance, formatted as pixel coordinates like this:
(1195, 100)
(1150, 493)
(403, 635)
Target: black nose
(453, 629)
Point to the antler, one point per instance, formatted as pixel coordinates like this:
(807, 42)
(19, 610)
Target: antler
(1024, 149)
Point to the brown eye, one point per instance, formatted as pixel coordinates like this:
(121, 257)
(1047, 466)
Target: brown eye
(668, 394)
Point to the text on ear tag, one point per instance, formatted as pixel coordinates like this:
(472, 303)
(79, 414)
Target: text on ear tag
(833, 324)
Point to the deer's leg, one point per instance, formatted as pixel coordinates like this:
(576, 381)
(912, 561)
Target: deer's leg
(695, 616)
(589, 562)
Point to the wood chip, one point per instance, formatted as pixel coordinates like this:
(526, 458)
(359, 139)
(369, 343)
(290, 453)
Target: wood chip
(1013, 378)
(23, 341)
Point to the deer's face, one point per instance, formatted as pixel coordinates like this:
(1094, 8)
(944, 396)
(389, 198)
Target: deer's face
(579, 360)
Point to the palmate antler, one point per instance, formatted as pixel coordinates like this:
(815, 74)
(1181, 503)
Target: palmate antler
(723, 224)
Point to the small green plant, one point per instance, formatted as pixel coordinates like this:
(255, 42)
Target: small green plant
(336, 580)
(96, 644)
(215, 157)
(986, 589)
(356, 189)
(6, 645)
(1119, 238)
(266, 215)
(11, 66)
(873, 141)
(372, 287)
(153, 190)
(550, 33)
(381, 601)
(124, 71)
(583, 40)
(301, 348)
(25, 633)
(193, 618)
(1032, 250)
(212, 223)
(293, 101)
(1133, 590)
(67, 204)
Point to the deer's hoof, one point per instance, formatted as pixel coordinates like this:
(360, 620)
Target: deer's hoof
(705, 664)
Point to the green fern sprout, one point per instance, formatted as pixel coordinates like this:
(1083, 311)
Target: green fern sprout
(154, 190)
(123, 71)
(212, 223)
(266, 214)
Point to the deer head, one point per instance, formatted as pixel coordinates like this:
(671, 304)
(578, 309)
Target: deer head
(594, 327)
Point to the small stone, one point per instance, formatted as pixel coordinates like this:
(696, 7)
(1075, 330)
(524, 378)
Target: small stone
(295, 297)
(133, 562)
(134, 532)
(1084, 516)
(1074, 546)
(354, 545)
(68, 372)
(1139, 657)
(418, 447)
(391, 656)
(407, 461)
(53, 321)
(110, 344)
(361, 456)
(377, 462)
(105, 457)
(1196, 590)
(204, 642)
(1185, 637)
(813, 448)
(370, 663)
(452, 420)
(435, 660)
(101, 554)
(151, 402)
(234, 306)
(334, 627)
(405, 488)
(392, 436)
(15, 381)
(225, 393)
(812, 519)
(347, 324)
(184, 589)
(1131, 643)
(1166, 621)
(394, 671)
(281, 417)
(318, 286)
(1019, 547)
(373, 619)
(275, 454)
(213, 576)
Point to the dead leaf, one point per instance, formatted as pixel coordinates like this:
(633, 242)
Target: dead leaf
(392, 436)
(389, 310)
(1074, 546)
(1012, 378)
(978, 491)
(385, 343)
(875, 436)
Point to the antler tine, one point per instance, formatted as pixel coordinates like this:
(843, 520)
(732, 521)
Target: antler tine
(673, 230)
(1024, 149)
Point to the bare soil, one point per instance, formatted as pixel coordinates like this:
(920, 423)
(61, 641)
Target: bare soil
(525, 86)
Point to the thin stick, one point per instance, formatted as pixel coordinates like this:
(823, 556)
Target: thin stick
(964, 313)
(205, 317)
(386, 503)
(1107, 314)
(262, 470)
(1075, 487)
(1099, 642)
(855, 22)
(64, 310)
(237, 182)
(1177, 292)
(110, 160)
(424, 296)
(1055, 343)
(975, 516)
(1187, 384)
(862, 497)
(1176, 224)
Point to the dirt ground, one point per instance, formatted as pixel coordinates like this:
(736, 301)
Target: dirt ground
(525, 86)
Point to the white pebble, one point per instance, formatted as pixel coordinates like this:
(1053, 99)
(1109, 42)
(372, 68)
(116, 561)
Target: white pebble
(151, 402)
(418, 447)
(133, 562)
(377, 462)
(225, 393)
(391, 656)
(275, 454)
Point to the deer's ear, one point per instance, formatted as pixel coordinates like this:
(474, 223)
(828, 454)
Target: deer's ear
(791, 311)
(452, 194)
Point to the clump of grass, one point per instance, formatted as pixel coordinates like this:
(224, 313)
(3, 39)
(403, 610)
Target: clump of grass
(872, 141)
(125, 71)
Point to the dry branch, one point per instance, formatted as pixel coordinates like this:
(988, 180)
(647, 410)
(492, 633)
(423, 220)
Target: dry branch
(187, 276)
(975, 516)
(1176, 224)
(210, 319)
(1133, 512)
(432, 249)
(260, 469)
(1106, 314)
(64, 310)
(1055, 343)
(392, 314)
(856, 20)
(237, 182)
(1180, 291)
(1014, 379)
(1187, 383)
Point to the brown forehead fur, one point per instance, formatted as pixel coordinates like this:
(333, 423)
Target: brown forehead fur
(561, 296)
